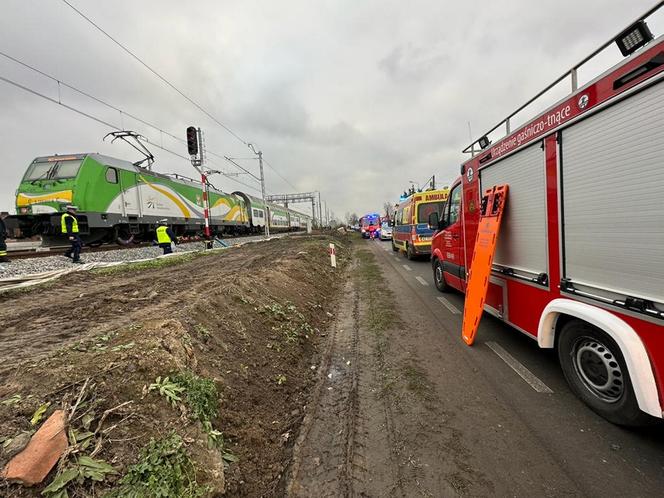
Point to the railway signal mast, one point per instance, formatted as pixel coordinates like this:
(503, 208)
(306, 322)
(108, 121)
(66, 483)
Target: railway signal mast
(195, 148)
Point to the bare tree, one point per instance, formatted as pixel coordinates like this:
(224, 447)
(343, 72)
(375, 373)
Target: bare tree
(389, 209)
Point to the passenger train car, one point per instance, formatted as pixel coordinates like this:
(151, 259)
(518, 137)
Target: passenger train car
(118, 200)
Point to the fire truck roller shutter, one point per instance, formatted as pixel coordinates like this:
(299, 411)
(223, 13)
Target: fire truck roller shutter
(522, 245)
(613, 205)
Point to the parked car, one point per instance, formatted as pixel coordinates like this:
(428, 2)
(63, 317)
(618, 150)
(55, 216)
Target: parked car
(385, 231)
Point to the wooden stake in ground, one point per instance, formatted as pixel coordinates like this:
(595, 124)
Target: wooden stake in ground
(333, 256)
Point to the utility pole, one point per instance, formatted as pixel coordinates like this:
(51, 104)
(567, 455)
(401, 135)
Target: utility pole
(267, 212)
(320, 210)
(262, 180)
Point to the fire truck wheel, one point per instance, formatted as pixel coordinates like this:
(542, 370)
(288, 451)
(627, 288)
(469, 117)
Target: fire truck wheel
(439, 276)
(394, 248)
(595, 370)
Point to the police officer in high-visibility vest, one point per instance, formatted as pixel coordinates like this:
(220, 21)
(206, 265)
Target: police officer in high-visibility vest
(3, 237)
(69, 227)
(165, 237)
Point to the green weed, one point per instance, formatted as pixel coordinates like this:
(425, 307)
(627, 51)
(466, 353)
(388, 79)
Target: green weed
(39, 413)
(149, 264)
(12, 400)
(168, 389)
(121, 347)
(202, 331)
(201, 399)
(417, 382)
(164, 469)
(200, 396)
(84, 467)
(275, 309)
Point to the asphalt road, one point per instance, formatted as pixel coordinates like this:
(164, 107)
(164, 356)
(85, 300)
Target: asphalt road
(590, 456)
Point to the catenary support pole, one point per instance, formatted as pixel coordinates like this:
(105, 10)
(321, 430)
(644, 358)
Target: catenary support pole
(267, 213)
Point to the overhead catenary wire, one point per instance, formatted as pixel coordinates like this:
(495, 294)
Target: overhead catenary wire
(153, 71)
(280, 175)
(110, 106)
(232, 161)
(101, 121)
(168, 83)
(86, 94)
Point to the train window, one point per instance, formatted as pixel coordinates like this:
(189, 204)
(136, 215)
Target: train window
(111, 175)
(37, 171)
(52, 170)
(67, 169)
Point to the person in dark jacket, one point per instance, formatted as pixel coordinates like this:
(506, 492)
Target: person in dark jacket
(3, 238)
(165, 237)
(69, 227)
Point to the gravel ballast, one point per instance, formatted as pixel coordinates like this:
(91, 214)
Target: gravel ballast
(29, 266)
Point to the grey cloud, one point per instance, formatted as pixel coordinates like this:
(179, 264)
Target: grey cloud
(354, 99)
(409, 62)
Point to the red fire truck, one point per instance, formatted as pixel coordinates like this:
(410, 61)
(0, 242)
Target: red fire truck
(579, 263)
(370, 225)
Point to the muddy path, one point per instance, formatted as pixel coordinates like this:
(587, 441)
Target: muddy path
(397, 415)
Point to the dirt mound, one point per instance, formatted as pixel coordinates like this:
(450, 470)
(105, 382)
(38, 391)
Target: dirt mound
(194, 376)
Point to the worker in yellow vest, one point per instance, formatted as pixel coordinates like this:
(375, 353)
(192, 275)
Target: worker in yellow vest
(3, 237)
(165, 237)
(69, 227)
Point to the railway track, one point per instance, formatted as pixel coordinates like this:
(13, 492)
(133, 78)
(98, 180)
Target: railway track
(42, 252)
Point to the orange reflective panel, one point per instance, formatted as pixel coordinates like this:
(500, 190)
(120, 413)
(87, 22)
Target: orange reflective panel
(491, 214)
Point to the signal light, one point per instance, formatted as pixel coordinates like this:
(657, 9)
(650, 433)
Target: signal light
(192, 141)
(633, 38)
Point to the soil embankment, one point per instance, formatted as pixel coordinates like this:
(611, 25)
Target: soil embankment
(204, 365)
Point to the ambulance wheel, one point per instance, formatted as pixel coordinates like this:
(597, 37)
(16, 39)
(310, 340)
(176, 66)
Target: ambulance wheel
(596, 372)
(409, 252)
(439, 276)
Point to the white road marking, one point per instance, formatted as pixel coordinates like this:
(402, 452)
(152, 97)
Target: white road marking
(407, 268)
(453, 309)
(523, 372)
(421, 280)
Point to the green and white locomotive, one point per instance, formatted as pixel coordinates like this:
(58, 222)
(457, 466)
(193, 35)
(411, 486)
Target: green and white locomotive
(119, 200)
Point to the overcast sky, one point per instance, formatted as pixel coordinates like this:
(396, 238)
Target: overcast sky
(352, 98)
